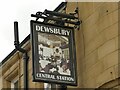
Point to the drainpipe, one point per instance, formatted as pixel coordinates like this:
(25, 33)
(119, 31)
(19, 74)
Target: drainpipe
(25, 56)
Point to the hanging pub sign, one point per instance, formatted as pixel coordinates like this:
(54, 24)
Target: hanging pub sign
(53, 54)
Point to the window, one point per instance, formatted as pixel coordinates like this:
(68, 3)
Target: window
(14, 84)
(49, 86)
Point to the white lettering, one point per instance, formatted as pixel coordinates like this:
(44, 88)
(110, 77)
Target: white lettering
(45, 76)
(52, 30)
(65, 78)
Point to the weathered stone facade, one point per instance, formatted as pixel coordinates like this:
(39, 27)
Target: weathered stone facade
(97, 43)
(96, 48)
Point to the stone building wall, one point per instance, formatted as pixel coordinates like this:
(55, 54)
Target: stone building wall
(13, 68)
(96, 43)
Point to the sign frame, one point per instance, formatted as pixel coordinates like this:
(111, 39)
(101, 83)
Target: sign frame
(50, 77)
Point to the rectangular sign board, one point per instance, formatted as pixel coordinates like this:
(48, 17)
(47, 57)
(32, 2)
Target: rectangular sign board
(53, 54)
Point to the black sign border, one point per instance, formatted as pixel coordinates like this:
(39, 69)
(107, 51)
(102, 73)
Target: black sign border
(72, 53)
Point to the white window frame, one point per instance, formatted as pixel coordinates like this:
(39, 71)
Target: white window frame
(13, 82)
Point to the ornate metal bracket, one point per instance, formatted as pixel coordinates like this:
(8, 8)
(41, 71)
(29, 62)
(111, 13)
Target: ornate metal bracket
(58, 17)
